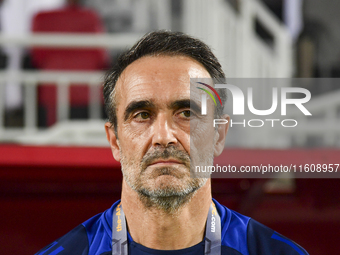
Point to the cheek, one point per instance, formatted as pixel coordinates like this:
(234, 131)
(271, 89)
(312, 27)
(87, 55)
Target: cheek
(202, 131)
(130, 140)
(133, 131)
(133, 142)
(202, 137)
(184, 139)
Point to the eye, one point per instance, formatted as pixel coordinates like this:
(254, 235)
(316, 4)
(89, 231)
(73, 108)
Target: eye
(186, 113)
(143, 115)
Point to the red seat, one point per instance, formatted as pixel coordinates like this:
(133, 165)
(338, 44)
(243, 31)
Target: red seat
(72, 19)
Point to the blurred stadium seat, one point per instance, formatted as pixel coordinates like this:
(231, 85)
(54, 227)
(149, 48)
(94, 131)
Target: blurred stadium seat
(71, 19)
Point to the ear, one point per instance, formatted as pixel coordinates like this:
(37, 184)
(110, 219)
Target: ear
(222, 131)
(112, 138)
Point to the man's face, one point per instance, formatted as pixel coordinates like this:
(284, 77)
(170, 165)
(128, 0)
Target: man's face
(154, 118)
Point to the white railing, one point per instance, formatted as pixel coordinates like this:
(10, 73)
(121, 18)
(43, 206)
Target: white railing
(147, 14)
(323, 126)
(233, 38)
(109, 41)
(30, 81)
(230, 34)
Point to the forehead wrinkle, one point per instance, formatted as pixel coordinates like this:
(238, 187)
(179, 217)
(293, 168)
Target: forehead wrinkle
(192, 70)
(133, 79)
(121, 85)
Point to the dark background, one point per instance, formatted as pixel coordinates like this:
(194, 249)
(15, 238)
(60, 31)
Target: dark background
(47, 191)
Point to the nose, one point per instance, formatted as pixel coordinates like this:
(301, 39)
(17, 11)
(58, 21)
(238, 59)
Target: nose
(163, 133)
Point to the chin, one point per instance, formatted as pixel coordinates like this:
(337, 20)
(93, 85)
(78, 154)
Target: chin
(168, 193)
(168, 185)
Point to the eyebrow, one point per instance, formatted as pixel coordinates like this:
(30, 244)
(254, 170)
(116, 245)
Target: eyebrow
(135, 105)
(185, 103)
(147, 104)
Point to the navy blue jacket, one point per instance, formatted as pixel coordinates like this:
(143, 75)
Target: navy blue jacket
(239, 235)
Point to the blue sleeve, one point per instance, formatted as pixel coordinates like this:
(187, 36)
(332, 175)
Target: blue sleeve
(265, 241)
(74, 242)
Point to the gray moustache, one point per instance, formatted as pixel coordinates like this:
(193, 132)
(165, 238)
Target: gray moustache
(169, 152)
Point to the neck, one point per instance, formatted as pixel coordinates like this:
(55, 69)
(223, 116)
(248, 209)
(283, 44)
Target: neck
(157, 229)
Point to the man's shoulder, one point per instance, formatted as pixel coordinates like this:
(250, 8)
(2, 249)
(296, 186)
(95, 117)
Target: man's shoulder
(91, 237)
(76, 241)
(243, 235)
(263, 240)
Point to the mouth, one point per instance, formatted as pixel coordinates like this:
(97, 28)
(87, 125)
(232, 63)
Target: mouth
(167, 162)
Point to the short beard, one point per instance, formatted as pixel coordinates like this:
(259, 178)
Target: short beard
(168, 199)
